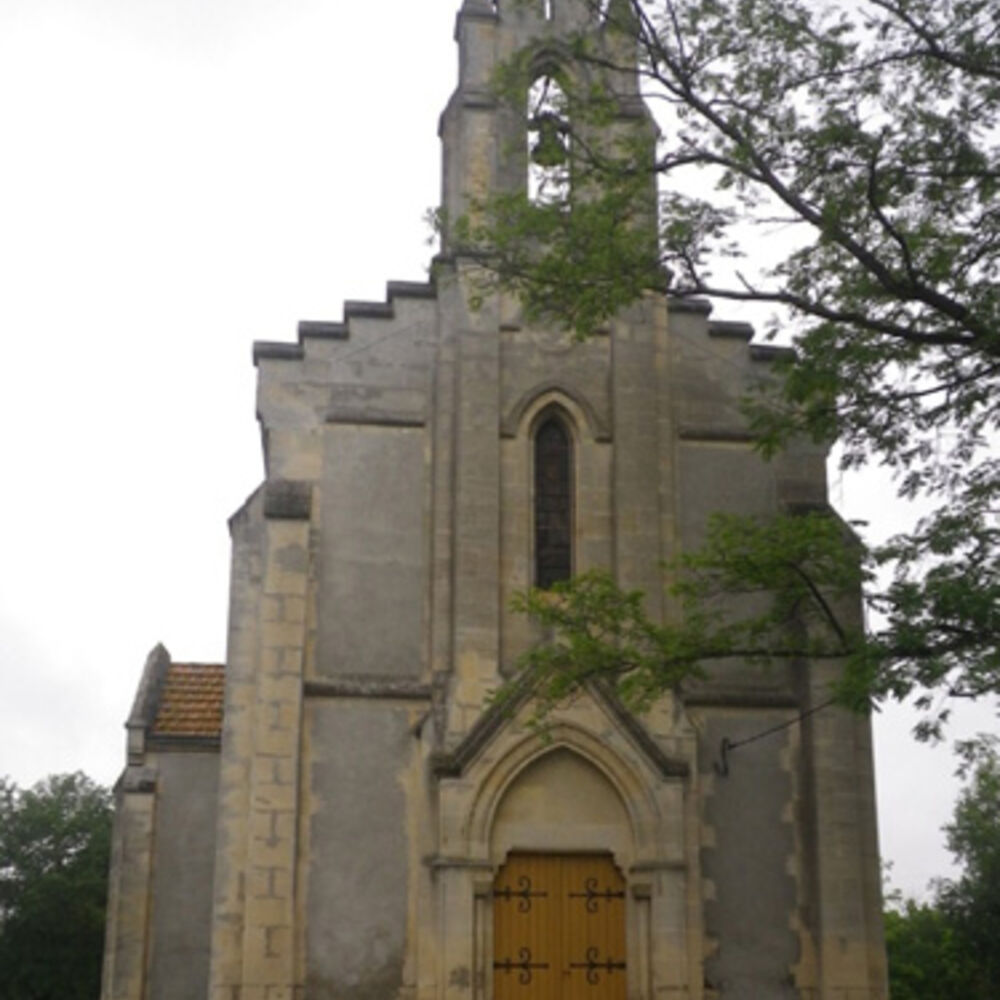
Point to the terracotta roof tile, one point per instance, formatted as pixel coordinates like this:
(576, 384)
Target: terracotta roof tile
(191, 701)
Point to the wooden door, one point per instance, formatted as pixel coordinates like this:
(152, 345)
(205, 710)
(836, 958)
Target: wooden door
(559, 928)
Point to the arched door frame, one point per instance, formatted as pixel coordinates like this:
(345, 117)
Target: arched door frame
(659, 859)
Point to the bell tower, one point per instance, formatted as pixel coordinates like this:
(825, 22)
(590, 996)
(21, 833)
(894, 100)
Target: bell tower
(488, 131)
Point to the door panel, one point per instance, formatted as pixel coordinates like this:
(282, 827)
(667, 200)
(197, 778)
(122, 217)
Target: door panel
(559, 928)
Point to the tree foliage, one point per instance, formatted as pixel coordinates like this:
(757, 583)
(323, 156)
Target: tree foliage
(948, 949)
(54, 849)
(972, 901)
(861, 141)
(927, 956)
(794, 570)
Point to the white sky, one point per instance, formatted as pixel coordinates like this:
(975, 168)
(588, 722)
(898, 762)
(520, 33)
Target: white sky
(179, 178)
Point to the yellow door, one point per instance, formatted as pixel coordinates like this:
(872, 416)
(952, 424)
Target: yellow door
(559, 928)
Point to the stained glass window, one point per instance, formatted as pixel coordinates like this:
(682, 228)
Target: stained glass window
(553, 504)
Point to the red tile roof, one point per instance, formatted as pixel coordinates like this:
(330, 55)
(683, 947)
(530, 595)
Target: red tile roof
(191, 701)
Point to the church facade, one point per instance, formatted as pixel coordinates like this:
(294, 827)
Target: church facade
(337, 813)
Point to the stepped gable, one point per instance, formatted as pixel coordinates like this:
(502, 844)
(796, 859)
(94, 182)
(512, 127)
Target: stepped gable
(329, 330)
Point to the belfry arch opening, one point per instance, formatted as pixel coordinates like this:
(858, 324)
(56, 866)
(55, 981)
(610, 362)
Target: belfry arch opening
(548, 139)
(560, 842)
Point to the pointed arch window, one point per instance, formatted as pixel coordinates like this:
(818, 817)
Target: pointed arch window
(548, 140)
(553, 503)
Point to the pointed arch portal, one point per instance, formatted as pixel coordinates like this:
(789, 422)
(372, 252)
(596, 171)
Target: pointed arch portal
(585, 817)
(560, 833)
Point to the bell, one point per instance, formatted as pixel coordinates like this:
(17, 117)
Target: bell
(549, 149)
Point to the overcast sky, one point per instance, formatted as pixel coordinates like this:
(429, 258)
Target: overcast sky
(177, 179)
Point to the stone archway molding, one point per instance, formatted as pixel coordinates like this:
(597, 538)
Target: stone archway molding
(559, 393)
